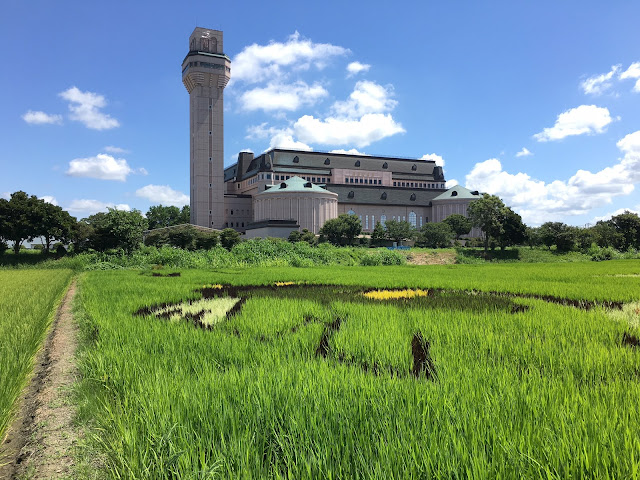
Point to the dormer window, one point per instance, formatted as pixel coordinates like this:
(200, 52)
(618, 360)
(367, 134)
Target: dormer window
(327, 161)
(283, 185)
(350, 194)
(296, 159)
(383, 196)
(357, 164)
(412, 197)
(454, 194)
(414, 167)
(385, 165)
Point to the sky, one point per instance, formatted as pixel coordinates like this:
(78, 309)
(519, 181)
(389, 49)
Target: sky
(536, 102)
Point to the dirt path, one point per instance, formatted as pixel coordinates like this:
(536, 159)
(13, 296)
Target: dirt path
(40, 440)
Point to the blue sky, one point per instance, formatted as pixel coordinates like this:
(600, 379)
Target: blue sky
(537, 102)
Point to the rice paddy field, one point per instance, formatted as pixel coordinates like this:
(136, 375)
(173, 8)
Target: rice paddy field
(27, 305)
(461, 371)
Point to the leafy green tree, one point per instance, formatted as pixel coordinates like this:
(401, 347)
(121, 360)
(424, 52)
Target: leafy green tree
(117, 229)
(183, 236)
(22, 218)
(486, 214)
(584, 238)
(436, 235)
(159, 216)
(533, 236)
(378, 235)
(605, 235)
(342, 230)
(627, 225)
(56, 223)
(559, 234)
(459, 224)
(513, 231)
(207, 240)
(229, 238)
(398, 230)
(81, 235)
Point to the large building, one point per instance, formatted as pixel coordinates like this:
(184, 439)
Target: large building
(281, 190)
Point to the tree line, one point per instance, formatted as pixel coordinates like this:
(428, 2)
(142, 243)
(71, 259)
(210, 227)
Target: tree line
(25, 217)
(501, 227)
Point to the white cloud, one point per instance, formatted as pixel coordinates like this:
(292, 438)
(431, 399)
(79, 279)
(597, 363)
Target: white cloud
(41, 118)
(88, 207)
(277, 96)
(163, 194)
(598, 84)
(246, 150)
(538, 201)
(367, 97)
(6, 195)
(632, 72)
(585, 119)
(285, 140)
(451, 183)
(524, 152)
(102, 166)
(356, 67)
(351, 151)
(257, 62)
(345, 131)
(436, 158)
(112, 149)
(85, 108)
(49, 199)
(620, 211)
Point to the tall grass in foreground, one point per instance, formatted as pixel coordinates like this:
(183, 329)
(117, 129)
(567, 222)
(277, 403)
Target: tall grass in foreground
(27, 301)
(546, 392)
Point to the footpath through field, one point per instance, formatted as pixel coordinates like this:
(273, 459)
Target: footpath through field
(40, 439)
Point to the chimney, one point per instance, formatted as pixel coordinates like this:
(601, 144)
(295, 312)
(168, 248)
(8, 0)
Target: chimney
(244, 159)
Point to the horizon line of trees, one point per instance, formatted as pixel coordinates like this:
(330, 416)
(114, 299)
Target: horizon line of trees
(26, 217)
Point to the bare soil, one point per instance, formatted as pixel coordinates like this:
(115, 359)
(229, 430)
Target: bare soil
(40, 440)
(431, 258)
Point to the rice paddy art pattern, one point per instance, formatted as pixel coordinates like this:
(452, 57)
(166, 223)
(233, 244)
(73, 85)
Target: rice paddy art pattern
(219, 302)
(302, 380)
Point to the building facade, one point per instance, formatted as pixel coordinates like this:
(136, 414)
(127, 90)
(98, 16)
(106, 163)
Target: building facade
(282, 188)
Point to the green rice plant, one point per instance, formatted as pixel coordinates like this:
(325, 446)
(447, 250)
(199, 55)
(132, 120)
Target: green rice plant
(28, 300)
(523, 387)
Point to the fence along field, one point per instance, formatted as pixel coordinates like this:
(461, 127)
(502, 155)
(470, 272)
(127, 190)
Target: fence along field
(301, 381)
(27, 307)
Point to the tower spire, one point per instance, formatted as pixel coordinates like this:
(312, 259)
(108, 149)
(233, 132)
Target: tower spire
(206, 70)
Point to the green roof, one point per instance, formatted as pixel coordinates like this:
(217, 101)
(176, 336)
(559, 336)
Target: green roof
(458, 193)
(294, 184)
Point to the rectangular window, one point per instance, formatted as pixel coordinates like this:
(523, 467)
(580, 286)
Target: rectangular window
(366, 222)
(268, 176)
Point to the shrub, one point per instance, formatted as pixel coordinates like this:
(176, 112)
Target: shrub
(206, 240)
(3, 247)
(229, 238)
(61, 251)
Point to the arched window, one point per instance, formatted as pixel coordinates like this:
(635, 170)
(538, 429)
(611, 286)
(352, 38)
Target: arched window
(383, 219)
(412, 219)
(351, 212)
(205, 44)
(213, 45)
(296, 159)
